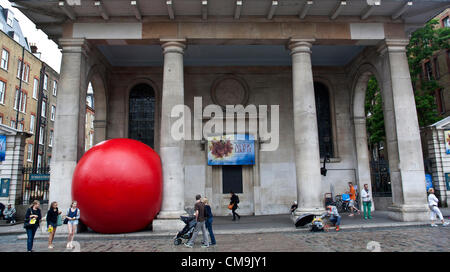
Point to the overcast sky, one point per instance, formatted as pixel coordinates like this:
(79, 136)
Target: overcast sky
(50, 52)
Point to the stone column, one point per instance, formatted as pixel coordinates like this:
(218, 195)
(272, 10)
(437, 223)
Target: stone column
(70, 120)
(306, 139)
(11, 167)
(363, 156)
(171, 150)
(99, 131)
(402, 135)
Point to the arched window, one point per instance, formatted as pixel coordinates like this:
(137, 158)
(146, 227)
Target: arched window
(141, 120)
(323, 119)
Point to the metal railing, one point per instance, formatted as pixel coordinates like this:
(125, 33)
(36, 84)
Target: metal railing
(381, 179)
(35, 185)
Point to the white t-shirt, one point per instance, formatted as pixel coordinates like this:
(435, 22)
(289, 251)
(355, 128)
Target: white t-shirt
(432, 200)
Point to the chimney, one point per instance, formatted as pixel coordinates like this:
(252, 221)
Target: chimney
(33, 48)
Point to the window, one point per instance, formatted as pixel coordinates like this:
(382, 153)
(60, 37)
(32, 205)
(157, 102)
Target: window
(53, 113)
(29, 152)
(32, 121)
(92, 121)
(428, 71)
(142, 114)
(49, 160)
(39, 162)
(55, 87)
(41, 135)
(43, 109)
(2, 91)
(45, 82)
(5, 59)
(1, 119)
(26, 72)
(20, 126)
(16, 97)
(324, 124)
(13, 124)
(19, 63)
(446, 21)
(23, 101)
(9, 18)
(91, 139)
(35, 88)
(436, 68)
(439, 99)
(16, 37)
(50, 140)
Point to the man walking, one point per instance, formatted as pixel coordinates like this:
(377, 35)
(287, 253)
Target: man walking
(367, 201)
(200, 218)
(352, 203)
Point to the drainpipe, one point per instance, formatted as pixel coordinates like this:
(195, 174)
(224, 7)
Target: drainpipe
(20, 86)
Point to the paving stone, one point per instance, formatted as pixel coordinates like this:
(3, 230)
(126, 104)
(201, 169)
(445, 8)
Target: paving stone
(396, 239)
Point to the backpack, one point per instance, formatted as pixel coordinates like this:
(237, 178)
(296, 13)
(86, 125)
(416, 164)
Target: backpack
(237, 199)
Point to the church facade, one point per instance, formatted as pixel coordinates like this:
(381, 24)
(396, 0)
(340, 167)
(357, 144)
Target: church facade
(312, 59)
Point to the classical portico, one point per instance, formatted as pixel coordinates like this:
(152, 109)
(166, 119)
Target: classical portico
(312, 58)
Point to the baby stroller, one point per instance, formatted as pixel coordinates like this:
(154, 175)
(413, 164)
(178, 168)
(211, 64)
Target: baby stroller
(343, 202)
(186, 232)
(317, 224)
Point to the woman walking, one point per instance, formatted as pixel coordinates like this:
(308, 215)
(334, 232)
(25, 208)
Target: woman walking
(52, 222)
(72, 215)
(32, 219)
(234, 200)
(209, 220)
(433, 205)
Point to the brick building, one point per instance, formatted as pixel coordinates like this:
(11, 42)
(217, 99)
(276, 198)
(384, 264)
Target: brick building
(438, 67)
(311, 58)
(13, 46)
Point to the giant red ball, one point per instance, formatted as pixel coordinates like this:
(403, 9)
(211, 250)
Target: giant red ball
(118, 186)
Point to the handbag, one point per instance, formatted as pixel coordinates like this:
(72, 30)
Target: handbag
(230, 206)
(50, 229)
(66, 220)
(59, 220)
(30, 222)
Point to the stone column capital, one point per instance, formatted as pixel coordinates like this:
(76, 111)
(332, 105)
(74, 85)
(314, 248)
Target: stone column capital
(74, 45)
(392, 46)
(173, 45)
(300, 45)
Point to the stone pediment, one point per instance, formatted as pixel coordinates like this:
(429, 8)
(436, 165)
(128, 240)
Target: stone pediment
(6, 130)
(442, 124)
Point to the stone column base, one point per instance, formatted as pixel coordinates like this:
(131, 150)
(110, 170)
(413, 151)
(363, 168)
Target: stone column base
(167, 225)
(300, 212)
(409, 213)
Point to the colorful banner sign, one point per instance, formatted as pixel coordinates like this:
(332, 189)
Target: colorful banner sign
(2, 147)
(447, 141)
(428, 181)
(4, 187)
(238, 149)
(447, 180)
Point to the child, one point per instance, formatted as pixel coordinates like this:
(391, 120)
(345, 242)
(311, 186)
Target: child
(433, 205)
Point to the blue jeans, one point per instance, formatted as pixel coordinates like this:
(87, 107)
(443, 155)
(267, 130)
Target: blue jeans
(30, 234)
(336, 220)
(210, 230)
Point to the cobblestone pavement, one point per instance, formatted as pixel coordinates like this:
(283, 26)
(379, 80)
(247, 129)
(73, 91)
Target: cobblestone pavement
(394, 239)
